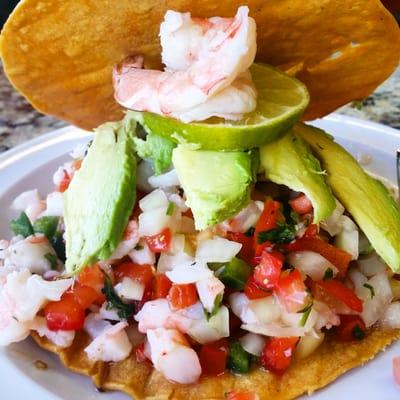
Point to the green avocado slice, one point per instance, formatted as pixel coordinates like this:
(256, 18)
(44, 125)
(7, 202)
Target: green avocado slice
(216, 183)
(100, 198)
(290, 162)
(366, 198)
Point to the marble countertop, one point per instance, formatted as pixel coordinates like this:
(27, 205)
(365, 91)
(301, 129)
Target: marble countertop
(19, 122)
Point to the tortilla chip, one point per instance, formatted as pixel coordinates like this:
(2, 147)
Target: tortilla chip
(141, 381)
(59, 54)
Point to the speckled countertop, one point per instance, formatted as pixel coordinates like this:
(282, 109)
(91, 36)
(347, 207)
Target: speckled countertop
(19, 122)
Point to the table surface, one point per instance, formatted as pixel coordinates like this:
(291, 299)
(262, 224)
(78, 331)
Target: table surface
(19, 122)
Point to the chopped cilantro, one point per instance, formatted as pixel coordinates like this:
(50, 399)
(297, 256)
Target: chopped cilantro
(47, 226)
(170, 209)
(52, 259)
(358, 333)
(306, 313)
(217, 303)
(250, 232)
(328, 274)
(22, 226)
(124, 311)
(284, 233)
(370, 288)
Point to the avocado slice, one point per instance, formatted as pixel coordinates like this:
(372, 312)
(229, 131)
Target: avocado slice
(366, 198)
(216, 183)
(100, 198)
(290, 162)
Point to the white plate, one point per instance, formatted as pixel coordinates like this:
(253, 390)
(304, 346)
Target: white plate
(32, 164)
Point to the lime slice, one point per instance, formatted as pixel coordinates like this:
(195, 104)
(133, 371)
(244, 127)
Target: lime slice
(281, 101)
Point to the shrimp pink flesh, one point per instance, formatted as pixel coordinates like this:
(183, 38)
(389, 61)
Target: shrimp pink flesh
(206, 64)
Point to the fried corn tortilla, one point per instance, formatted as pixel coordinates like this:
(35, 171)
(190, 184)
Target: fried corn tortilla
(60, 54)
(141, 381)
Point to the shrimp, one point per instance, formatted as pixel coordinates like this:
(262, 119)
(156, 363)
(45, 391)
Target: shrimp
(207, 63)
(172, 356)
(111, 345)
(31, 203)
(129, 241)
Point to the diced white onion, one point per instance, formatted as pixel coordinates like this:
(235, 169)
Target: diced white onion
(311, 264)
(358, 278)
(189, 273)
(54, 205)
(155, 199)
(154, 221)
(391, 317)
(142, 254)
(129, 289)
(253, 343)
(167, 262)
(371, 265)
(166, 180)
(375, 303)
(332, 224)
(265, 310)
(348, 238)
(246, 218)
(308, 344)
(144, 171)
(217, 250)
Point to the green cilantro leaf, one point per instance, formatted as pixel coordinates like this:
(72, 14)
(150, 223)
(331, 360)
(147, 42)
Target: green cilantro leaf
(47, 226)
(22, 226)
(124, 311)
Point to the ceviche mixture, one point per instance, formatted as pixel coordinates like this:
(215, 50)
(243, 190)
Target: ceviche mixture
(206, 277)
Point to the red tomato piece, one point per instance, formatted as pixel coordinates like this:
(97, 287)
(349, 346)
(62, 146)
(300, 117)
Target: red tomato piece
(234, 395)
(65, 315)
(161, 286)
(182, 296)
(85, 296)
(301, 205)
(277, 354)
(234, 322)
(311, 231)
(247, 251)
(267, 221)
(339, 291)
(213, 358)
(253, 291)
(92, 276)
(161, 242)
(140, 273)
(65, 181)
(338, 257)
(267, 273)
(147, 296)
(291, 291)
(351, 328)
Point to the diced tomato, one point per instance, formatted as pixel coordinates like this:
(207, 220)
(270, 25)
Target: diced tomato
(65, 181)
(267, 221)
(65, 315)
(161, 242)
(140, 273)
(161, 286)
(351, 328)
(84, 295)
(147, 296)
(188, 213)
(291, 291)
(182, 296)
(277, 354)
(267, 273)
(93, 277)
(338, 257)
(213, 358)
(301, 205)
(311, 231)
(247, 251)
(253, 291)
(339, 291)
(140, 354)
(235, 395)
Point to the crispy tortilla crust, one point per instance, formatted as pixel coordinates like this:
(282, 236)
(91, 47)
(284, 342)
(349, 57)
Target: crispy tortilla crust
(141, 381)
(59, 54)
